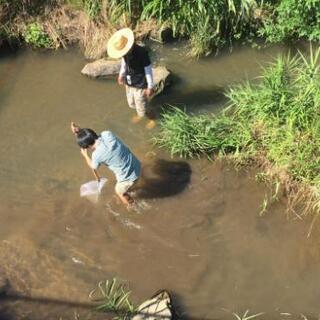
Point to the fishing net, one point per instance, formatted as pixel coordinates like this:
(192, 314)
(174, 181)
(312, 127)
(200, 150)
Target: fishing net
(92, 188)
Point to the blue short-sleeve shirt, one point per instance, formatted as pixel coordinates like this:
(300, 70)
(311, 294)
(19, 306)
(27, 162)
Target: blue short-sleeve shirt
(112, 152)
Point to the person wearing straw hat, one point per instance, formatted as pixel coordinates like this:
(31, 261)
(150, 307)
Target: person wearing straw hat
(135, 72)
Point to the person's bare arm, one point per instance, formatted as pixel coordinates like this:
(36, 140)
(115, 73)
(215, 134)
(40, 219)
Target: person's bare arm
(84, 152)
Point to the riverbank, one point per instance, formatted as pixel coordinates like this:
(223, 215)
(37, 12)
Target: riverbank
(274, 124)
(59, 23)
(56, 24)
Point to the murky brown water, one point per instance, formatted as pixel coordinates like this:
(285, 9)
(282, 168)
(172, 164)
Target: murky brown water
(198, 232)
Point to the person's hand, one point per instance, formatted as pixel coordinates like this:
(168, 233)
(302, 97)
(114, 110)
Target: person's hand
(148, 92)
(74, 128)
(120, 80)
(84, 152)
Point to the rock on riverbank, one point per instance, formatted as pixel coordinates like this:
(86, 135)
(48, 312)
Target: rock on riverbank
(104, 68)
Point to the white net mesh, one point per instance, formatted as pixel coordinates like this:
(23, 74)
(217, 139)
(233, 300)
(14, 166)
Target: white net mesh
(92, 188)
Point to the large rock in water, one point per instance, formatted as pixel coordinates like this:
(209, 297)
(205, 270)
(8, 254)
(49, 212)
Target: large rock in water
(156, 308)
(103, 68)
(161, 79)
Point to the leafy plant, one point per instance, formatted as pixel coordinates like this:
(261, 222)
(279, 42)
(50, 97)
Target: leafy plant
(292, 19)
(190, 136)
(36, 36)
(113, 296)
(277, 120)
(208, 23)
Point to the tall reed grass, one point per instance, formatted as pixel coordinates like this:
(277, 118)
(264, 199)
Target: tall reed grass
(208, 24)
(276, 121)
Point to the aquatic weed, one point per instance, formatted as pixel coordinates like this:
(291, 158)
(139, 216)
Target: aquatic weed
(190, 136)
(275, 122)
(113, 296)
(246, 315)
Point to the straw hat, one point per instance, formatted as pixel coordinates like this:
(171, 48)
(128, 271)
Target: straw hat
(120, 43)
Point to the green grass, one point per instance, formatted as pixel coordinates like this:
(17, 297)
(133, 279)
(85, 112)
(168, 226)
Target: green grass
(209, 25)
(276, 121)
(291, 19)
(190, 136)
(213, 24)
(113, 296)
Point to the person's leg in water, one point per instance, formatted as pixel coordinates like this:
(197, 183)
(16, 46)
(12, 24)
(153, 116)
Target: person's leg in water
(140, 104)
(142, 107)
(152, 122)
(122, 189)
(130, 93)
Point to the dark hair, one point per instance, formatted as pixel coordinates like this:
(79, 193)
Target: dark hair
(86, 137)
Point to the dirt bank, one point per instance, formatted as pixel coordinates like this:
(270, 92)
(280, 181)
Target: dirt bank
(65, 25)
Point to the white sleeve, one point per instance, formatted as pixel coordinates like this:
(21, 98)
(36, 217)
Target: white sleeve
(122, 68)
(149, 76)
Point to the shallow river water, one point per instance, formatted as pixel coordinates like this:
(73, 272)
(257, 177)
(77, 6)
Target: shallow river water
(197, 233)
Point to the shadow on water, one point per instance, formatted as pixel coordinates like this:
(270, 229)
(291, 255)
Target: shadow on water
(163, 178)
(9, 72)
(7, 312)
(194, 100)
(8, 47)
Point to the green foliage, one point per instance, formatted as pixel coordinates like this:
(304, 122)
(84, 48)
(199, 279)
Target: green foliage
(292, 19)
(118, 8)
(212, 24)
(190, 136)
(283, 112)
(209, 24)
(74, 3)
(92, 8)
(113, 296)
(36, 36)
(279, 119)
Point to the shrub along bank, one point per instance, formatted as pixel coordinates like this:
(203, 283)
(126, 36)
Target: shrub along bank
(275, 123)
(208, 24)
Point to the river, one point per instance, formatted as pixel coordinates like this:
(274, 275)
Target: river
(197, 233)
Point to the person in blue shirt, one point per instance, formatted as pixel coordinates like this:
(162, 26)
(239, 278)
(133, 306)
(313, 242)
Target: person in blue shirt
(109, 150)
